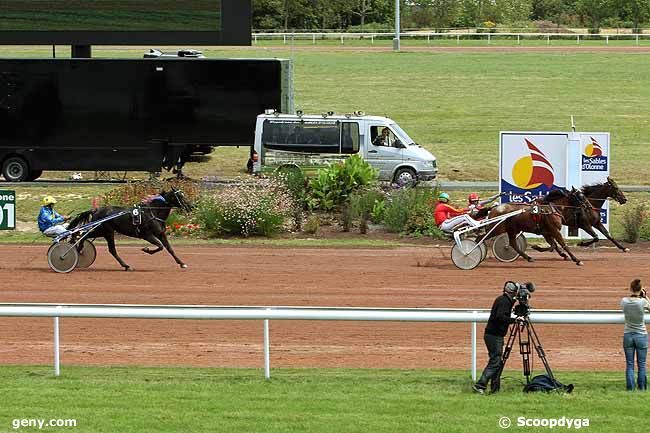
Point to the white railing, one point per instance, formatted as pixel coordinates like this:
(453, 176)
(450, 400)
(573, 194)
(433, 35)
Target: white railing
(472, 316)
(314, 37)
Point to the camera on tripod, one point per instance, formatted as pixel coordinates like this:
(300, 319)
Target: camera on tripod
(522, 294)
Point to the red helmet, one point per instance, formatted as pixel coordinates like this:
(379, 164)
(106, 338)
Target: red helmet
(473, 197)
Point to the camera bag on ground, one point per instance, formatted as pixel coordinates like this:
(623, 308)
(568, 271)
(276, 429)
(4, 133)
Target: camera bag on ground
(545, 383)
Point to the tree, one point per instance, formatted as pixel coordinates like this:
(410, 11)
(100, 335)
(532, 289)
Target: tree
(511, 11)
(594, 11)
(637, 11)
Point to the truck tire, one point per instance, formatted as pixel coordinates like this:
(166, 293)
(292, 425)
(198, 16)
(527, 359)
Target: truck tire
(15, 169)
(405, 176)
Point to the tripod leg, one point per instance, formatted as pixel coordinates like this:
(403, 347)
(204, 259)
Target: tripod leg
(524, 348)
(540, 350)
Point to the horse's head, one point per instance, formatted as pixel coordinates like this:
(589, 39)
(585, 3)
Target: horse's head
(176, 198)
(579, 199)
(614, 191)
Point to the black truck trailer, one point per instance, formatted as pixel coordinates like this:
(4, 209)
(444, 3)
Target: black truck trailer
(130, 114)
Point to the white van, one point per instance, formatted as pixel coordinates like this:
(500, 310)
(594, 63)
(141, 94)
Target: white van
(313, 141)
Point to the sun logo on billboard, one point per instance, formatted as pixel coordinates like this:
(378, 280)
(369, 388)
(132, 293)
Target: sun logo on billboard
(533, 170)
(593, 149)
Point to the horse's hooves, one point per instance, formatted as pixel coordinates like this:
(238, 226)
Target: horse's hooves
(530, 259)
(183, 266)
(580, 263)
(145, 250)
(129, 268)
(565, 258)
(626, 250)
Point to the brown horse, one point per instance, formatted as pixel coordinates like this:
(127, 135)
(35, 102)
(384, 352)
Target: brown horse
(578, 216)
(538, 219)
(597, 194)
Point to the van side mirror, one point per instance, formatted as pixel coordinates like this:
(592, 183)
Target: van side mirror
(398, 144)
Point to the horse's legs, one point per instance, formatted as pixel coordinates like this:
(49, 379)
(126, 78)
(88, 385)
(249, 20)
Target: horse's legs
(557, 236)
(163, 238)
(543, 249)
(149, 237)
(601, 228)
(590, 231)
(110, 240)
(553, 246)
(512, 240)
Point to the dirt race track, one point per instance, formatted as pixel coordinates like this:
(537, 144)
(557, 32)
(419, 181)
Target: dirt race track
(403, 277)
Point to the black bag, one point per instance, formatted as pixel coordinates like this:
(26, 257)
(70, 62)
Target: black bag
(544, 383)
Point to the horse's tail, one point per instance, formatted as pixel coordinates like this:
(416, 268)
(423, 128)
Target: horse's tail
(81, 219)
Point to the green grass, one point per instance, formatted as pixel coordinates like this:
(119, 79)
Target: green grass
(455, 103)
(226, 400)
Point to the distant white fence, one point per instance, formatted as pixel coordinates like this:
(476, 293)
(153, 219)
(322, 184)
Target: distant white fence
(432, 37)
(471, 316)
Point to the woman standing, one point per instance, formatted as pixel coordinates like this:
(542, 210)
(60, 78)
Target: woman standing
(635, 337)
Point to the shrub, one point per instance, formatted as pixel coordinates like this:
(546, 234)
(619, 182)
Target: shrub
(363, 202)
(295, 183)
(312, 225)
(333, 185)
(410, 211)
(251, 209)
(633, 221)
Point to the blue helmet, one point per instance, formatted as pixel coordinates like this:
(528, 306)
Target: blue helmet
(443, 196)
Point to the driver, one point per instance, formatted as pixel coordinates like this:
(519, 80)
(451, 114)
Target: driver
(477, 208)
(50, 222)
(448, 217)
(383, 139)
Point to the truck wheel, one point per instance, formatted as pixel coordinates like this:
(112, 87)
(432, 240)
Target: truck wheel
(405, 176)
(15, 169)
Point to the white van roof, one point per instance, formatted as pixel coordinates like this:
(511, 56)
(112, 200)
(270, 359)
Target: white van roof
(335, 116)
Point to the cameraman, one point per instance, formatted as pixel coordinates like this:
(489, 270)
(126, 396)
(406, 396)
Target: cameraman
(635, 335)
(496, 329)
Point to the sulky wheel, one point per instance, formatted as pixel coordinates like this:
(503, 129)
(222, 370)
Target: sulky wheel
(467, 256)
(484, 250)
(62, 257)
(87, 254)
(503, 251)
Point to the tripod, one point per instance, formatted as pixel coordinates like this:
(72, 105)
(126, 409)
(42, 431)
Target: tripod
(524, 331)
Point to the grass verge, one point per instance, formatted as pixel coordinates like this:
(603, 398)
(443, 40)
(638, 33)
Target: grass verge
(227, 400)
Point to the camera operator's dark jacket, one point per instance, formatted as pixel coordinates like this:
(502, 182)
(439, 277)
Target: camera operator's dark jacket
(500, 316)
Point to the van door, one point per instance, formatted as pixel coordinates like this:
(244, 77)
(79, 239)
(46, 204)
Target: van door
(384, 151)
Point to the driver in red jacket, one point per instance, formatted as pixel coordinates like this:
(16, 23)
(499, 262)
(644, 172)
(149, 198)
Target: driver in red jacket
(448, 217)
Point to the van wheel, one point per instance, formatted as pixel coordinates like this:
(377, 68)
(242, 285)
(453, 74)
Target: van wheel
(15, 169)
(405, 176)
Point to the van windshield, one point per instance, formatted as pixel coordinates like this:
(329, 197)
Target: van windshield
(401, 134)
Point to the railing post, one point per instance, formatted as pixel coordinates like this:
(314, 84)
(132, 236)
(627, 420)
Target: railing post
(606, 39)
(548, 39)
(341, 38)
(578, 39)
(518, 41)
(57, 365)
(313, 38)
(372, 39)
(488, 39)
(267, 351)
(637, 39)
(458, 39)
(428, 39)
(284, 36)
(474, 351)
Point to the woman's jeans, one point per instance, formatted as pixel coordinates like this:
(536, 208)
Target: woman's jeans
(635, 342)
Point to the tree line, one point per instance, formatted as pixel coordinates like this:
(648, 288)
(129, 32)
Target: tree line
(369, 15)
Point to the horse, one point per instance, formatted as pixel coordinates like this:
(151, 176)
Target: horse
(535, 218)
(572, 205)
(148, 225)
(597, 194)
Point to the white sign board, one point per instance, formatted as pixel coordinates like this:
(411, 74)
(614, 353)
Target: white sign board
(534, 163)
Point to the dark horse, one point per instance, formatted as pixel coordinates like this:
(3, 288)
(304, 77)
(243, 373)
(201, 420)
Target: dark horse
(150, 225)
(587, 218)
(539, 219)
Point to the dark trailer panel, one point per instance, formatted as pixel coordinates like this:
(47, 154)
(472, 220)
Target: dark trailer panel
(137, 115)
